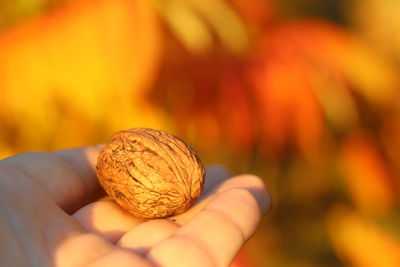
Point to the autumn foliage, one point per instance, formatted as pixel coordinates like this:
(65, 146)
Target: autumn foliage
(310, 104)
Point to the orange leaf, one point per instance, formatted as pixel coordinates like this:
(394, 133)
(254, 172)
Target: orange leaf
(92, 60)
(367, 176)
(360, 242)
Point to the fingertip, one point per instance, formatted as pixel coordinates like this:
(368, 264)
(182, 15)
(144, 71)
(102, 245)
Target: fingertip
(81, 157)
(254, 184)
(259, 191)
(241, 206)
(83, 161)
(92, 152)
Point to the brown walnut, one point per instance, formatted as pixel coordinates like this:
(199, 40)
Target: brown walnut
(150, 173)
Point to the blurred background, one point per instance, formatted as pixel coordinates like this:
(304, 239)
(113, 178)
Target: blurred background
(304, 93)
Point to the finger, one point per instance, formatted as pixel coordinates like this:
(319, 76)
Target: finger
(219, 230)
(143, 237)
(106, 219)
(249, 182)
(120, 258)
(92, 250)
(252, 183)
(68, 175)
(215, 176)
(83, 161)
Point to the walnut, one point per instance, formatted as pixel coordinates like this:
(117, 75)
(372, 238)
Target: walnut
(150, 173)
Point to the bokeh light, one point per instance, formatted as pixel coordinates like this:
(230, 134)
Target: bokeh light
(303, 93)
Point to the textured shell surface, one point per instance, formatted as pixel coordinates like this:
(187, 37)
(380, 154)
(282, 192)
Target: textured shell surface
(150, 173)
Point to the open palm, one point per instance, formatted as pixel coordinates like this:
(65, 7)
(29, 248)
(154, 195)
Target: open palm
(51, 215)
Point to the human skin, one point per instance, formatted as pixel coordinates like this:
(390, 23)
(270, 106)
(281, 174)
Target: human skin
(51, 214)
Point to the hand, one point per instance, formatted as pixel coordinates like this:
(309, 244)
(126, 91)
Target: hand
(51, 215)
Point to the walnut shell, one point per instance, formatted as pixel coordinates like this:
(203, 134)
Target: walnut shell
(150, 173)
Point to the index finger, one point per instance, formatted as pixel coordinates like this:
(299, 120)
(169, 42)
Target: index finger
(67, 175)
(216, 233)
